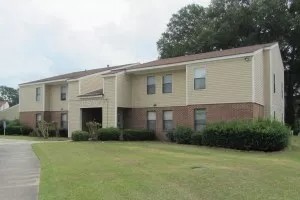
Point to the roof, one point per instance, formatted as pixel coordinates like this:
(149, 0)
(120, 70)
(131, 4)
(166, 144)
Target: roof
(79, 74)
(201, 56)
(3, 102)
(93, 93)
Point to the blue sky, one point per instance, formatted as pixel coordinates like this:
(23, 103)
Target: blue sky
(42, 38)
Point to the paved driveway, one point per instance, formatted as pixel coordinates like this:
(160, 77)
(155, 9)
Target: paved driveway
(19, 171)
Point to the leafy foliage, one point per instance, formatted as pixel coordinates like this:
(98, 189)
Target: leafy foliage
(196, 138)
(80, 136)
(10, 95)
(105, 134)
(234, 23)
(93, 126)
(261, 135)
(138, 135)
(183, 135)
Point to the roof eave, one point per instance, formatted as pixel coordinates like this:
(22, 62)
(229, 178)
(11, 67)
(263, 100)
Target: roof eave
(190, 62)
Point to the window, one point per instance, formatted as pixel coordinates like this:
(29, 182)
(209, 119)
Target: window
(168, 120)
(151, 85)
(63, 92)
(167, 84)
(38, 94)
(64, 121)
(38, 118)
(274, 83)
(151, 121)
(199, 78)
(200, 119)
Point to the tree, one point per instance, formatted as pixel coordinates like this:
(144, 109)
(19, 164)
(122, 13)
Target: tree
(9, 94)
(234, 23)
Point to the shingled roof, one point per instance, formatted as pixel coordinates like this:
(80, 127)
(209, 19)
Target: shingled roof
(201, 56)
(79, 74)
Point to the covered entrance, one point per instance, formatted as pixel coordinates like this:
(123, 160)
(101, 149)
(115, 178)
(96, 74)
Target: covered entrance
(90, 114)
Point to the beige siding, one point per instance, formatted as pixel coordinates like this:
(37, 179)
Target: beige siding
(277, 98)
(53, 102)
(140, 98)
(110, 109)
(27, 98)
(11, 113)
(258, 80)
(227, 81)
(267, 84)
(124, 90)
(91, 83)
(74, 118)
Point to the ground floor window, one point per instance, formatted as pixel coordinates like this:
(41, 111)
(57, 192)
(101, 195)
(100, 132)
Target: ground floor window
(38, 118)
(64, 121)
(200, 119)
(168, 120)
(151, 120)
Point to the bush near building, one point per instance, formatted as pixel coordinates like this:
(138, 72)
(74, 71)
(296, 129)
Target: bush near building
(106, 134)
(80, 136)
(261, 135)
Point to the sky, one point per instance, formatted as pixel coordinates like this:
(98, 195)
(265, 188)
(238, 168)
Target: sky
(43, 38)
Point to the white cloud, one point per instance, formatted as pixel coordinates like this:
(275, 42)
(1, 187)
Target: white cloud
(48, 37)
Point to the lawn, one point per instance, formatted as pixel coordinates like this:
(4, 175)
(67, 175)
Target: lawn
(153, 170)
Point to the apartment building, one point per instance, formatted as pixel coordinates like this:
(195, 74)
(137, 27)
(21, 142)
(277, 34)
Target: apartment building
(193, 90)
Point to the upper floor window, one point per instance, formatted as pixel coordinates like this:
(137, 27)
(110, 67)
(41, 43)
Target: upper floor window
(200, 119)
(167, 83)
(63, 92)
(151, 85)
(64, 121)
(199, 78)
(274, 83)
(151, 120)
(168, 120)
(38, 94)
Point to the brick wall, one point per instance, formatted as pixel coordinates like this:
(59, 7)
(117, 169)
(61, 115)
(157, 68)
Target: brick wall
(184, 115)
(29, 118)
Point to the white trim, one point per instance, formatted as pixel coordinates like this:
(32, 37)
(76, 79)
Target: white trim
(271, 83)
(186, 86)
(115, 74)
(257, 52)
(253, 79)
(116, 101)
(94, 96)
(44, 97)
(43, 82)
(190, 62)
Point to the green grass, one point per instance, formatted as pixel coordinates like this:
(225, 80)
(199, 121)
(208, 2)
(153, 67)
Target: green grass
(20, 137)
(153, 170)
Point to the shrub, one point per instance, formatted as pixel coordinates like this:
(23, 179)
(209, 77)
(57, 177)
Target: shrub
(80, 136)
(138, 135)
(170, 136)
(13, 130)
(106, 134)
(262, 135)
(196, 138)
(63, 132)
(25, 130)
(182, 135)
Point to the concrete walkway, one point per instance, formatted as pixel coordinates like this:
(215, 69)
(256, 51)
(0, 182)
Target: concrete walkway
(19, 170)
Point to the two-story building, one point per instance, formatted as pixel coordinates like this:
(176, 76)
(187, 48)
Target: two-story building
(193, 90)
